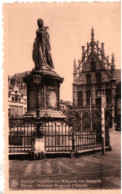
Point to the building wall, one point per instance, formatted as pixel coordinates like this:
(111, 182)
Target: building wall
(17, 98)
(94, 73)
(65, 107)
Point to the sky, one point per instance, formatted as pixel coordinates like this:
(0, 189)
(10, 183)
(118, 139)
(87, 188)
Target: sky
(69, 29)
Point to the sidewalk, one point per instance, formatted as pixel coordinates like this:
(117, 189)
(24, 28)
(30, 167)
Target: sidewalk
(89, 171)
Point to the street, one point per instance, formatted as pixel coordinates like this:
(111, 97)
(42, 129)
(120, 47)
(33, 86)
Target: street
(89, 171)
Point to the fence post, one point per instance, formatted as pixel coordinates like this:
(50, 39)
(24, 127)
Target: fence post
(91, 112)
(103, 104)
(73, 142)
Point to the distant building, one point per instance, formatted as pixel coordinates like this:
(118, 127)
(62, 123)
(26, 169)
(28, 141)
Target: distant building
(94, 73)
(17, 95)
(65, 106)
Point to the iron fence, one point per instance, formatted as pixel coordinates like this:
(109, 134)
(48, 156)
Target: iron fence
(81, 132)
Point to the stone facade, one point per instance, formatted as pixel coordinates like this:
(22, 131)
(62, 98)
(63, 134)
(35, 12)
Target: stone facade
(17, 95)
(93, 74)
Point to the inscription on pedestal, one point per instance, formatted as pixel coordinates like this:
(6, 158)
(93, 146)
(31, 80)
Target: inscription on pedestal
(39, 145)
(52, 98)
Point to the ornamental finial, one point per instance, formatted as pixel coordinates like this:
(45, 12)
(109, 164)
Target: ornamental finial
(102, 48)
(92, 34)
(112, 60)
(74, 65)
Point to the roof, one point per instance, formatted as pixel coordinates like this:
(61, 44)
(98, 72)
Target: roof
(19, 76)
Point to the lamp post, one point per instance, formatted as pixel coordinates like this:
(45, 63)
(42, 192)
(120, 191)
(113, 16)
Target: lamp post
(37, 80)
(103, 106)
(38, 142)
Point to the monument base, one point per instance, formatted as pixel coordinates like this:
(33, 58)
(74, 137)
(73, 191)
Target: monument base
(38, 149)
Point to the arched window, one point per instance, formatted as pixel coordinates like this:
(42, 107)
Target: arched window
(80, 98)
(88, 95)
(88, 78)
(93, 65)
(98, 77)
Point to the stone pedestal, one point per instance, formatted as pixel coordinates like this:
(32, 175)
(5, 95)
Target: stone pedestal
(38, 149)
(43, 93)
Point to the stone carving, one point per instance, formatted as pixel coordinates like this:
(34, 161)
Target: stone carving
(41, 47)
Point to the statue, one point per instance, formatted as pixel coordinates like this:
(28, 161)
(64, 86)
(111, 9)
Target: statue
(41, 47)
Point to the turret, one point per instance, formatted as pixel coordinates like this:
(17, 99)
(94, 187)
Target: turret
(92, 34)
(107, 62)
(74, 71)
(98, 48)
(87, 49)
(112, 66)
(92, 39)
(112, 61)
(83, 51)
(102, 50)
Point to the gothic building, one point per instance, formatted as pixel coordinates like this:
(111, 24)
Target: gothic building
(93, 74)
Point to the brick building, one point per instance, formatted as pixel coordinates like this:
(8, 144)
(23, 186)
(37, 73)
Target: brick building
(95, 73)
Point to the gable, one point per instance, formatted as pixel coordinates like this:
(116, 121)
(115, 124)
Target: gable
(88, 68)
(93, 61)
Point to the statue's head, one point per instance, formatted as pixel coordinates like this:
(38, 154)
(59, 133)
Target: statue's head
(40, 23)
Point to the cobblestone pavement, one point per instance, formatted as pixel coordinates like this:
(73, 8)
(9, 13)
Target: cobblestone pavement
(91, 171)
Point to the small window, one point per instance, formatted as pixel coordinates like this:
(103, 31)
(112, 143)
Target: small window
(12, 99)
(88, 78)
(15, 99)
(93, 66)
(98, 77)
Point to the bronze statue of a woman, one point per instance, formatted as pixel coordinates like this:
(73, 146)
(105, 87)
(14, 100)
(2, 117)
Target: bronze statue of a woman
(41, 47)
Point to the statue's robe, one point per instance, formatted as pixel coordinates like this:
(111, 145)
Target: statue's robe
(41, 49)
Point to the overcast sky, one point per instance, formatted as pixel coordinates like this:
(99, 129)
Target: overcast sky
(69, 28)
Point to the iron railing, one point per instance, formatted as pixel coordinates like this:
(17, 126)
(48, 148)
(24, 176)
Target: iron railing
(81, 132)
